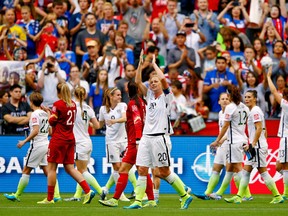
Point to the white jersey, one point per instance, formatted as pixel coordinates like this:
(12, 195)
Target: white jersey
(157, 120)
(256, 115)
(221, 120)
(81, 124)
(39, 117)
(116, 132)
(283, 126)
(237, 116)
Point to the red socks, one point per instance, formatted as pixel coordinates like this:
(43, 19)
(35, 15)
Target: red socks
(149, 188)
(85, 186)
(121, 185)
(50, 193)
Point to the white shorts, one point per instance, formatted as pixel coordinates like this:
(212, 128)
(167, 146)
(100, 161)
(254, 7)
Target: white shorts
(220, 157)
(234, 153)
(83, 151)
(154, 151)
(36, 156)
(283, 150)
(259, 160)
(114, 150)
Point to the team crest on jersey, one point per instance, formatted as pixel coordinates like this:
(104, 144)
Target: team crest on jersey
(256, 117)
(112, 117)
(34, 120)
(152, 105)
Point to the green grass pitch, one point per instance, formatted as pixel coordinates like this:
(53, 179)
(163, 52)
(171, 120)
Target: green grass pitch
(169, 206)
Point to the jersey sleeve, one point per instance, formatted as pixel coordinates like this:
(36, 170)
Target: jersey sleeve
(101, 113)
(90, 112)
(54, 115)
(256, 117)
(228, 112)
(284, 105)
(34, 119)
(137, 120)
(123, 107)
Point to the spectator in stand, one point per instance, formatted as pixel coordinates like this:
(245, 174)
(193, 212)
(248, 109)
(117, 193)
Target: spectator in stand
(6, 44)
(32, 5)
(90, 33)
(90, 65)
(98, 8)
(45, 36)
(236, 16)
(32, 27)
(75, 81)
(173, 75)
(77, 21)
(15, 113)
(19, 53)
(123, 28)
(30, 78)
(249, 64)
(216, 82)
(280, 63)
(146, 66)
(230, 64)
(280, 86)
(222, 5)
(16, 32)
(4, 98)
(48, 78)
(65, 58)
(194, 38)
(108, 20)
(172, 21)
(130, 74)
(208, 56)
(4, 84)
(124, 53)
(159, 58)
(134, 15)
(61, 22)
(111, 63)
(178, 99)
(237, 49)
(270, 35)
(260, 50)
(158, 34)
(159, 8)
(194, 88)
(278, 17)
(207, 22)
(181, 57)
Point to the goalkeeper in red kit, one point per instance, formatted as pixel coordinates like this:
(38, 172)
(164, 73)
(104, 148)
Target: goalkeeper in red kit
(134, 126)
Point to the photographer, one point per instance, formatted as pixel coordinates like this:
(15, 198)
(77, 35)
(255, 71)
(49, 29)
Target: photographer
(48, 78)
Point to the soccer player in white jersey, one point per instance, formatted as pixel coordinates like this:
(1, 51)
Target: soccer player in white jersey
(85, 116)
(282, 132)
(153, 150)
(220, 156)
(257, 139)
(235, 117)
(113, 115)
(37, 153)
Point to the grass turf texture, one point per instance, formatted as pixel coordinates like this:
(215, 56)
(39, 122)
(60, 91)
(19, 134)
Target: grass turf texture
(169, 205)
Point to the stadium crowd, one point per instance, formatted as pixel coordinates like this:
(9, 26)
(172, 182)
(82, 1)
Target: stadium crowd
(96, 44)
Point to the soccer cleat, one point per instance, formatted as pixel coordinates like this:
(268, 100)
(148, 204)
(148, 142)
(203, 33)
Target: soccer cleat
(247, 198)
(235, 199)
(110, 203)
(134, 205)
(185, 202)
(88, 197)
(150, 204)
(123, 198)
(145, 198)
(45, 201)
(74, 199)
(202, 196)
(277, 199)
(12, 197)
(284, 197)
(215, 196)
(57, 199)
(132, 196)
(104, 193)
(187, 189)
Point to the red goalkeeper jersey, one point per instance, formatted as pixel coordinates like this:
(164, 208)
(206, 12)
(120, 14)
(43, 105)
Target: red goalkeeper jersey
(62, 120)
(135, 120)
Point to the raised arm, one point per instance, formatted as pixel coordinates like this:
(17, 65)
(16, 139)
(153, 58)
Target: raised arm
(160, 74)
(138, 77)
(272, 87)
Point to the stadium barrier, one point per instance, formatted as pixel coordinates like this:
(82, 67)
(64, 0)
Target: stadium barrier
(191, 160)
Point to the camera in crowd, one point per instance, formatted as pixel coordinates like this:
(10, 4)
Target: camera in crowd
(236, 3)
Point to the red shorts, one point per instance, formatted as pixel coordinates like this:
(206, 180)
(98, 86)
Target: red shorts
(130, 154)
(61, 152)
